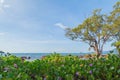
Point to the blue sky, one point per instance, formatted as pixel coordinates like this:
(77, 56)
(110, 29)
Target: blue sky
(38, 25)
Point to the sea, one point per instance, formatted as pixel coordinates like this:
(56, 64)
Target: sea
(34, 56)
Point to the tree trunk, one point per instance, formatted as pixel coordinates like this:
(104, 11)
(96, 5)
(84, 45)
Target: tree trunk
(98, 52)
(96, 49)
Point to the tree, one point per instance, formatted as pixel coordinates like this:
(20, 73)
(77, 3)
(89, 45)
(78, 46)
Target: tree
(93, 31)
(1, 53)
(114, 21)
(117, 45)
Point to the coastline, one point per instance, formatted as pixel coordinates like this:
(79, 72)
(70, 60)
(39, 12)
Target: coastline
(32, 56)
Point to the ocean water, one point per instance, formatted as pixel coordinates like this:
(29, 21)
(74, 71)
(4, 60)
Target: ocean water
(40, 55)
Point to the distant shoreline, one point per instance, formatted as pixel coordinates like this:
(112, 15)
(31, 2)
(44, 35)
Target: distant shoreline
(34, 56)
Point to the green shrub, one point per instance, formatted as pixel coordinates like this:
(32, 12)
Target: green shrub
(58, 67)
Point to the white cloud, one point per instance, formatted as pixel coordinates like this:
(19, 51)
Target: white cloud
(61, 25)
(2, 1)
(1, 34)
(3, 5)
(6, 6)
(48, 41)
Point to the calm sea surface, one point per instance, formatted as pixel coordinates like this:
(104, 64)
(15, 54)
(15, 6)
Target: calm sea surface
(39, 55)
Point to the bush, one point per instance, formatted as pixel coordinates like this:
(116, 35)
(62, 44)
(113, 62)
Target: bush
(57, 67)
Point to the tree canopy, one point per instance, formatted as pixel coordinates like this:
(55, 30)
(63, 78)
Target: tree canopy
(114, 20)
(97, 29)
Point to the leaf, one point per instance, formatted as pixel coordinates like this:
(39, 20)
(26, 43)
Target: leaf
(112, 68)
(118, 71)
(0, 76)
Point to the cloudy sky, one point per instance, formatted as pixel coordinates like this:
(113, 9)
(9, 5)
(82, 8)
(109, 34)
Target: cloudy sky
(38, 25)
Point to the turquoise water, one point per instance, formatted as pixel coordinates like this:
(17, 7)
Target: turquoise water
(39, 55)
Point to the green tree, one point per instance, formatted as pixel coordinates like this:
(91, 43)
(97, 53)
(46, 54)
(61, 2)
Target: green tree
(93, 31)
(114, 21)
(117, 45)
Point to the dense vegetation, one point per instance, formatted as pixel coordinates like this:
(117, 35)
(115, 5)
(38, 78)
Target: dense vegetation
(57, 67)
(96, 30)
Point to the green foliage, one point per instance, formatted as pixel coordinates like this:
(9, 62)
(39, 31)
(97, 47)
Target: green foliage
(114, 20)
(94, 31)
(98, 29)
(117, 45)
(57, 67)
